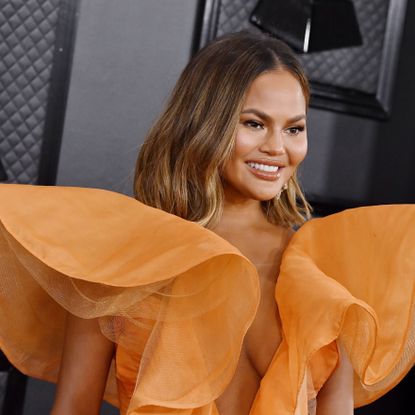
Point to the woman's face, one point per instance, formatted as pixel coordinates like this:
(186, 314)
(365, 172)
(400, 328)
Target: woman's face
(271, 138)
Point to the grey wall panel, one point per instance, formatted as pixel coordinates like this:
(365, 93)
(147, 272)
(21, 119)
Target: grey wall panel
(354, 158)
(340, 156)
(128, 54)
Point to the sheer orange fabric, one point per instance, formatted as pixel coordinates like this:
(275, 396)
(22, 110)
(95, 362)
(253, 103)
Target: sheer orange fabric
(359, 264)
(178, 300)
(140, 271)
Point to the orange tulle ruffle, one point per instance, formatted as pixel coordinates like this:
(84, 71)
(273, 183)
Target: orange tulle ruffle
(177, 299)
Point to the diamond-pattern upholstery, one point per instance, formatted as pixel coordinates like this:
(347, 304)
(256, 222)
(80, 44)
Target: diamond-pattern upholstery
(234, 16)
(357, 67)
(354, 68)
(27, 37)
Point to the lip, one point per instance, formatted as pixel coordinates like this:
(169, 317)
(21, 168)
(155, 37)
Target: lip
(268, 176)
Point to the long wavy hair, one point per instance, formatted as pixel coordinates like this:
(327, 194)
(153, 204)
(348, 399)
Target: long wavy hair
(180, 164)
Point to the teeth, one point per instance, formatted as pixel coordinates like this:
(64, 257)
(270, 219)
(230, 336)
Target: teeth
(263, 167)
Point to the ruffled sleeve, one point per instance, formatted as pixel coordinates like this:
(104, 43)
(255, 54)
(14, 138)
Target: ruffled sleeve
(187, 295)
(351, 277)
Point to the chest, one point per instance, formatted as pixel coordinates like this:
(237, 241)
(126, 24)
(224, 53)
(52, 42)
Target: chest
(264, 336)
(259, 347)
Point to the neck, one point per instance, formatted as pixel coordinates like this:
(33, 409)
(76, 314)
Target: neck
(240, 213)
(247, 212)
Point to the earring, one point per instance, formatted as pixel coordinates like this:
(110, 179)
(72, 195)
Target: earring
(285, 187)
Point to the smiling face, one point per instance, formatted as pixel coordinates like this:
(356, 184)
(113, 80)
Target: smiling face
(271, 138)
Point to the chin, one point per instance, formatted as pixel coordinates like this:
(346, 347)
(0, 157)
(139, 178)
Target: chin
(263, 192)
(242, 191)
(264, 197)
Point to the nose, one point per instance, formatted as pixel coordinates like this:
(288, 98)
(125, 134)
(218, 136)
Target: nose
(274, 144)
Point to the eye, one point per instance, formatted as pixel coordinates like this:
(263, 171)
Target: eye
(295, 130)
(256, 125)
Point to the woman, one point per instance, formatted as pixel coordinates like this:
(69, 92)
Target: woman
(252, 93)
(182, 321)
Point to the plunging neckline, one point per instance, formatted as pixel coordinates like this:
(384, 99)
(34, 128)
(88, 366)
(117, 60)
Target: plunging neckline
(274, 356)
(257, 394)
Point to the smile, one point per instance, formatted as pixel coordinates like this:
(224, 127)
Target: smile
(263, 167)
(263, 171)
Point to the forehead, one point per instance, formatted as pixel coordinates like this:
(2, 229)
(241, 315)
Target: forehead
(276, 91)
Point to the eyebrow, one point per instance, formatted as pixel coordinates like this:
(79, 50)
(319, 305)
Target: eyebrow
(265, 116)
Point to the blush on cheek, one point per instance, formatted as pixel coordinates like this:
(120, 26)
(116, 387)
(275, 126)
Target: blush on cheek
(297, 153)
(243, 144)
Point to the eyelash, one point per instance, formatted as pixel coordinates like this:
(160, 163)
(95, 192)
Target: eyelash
(258, 125)
(254, 124)
(299, 129)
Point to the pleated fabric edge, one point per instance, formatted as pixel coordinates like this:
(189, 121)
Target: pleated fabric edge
(101, 255)
(356, 271)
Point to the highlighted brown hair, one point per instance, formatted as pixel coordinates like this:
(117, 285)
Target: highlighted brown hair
(180, 163)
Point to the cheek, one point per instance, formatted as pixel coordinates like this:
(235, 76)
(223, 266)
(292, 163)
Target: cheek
(297, 152)
(244, 144)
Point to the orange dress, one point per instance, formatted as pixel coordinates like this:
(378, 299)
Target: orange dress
(177, 299)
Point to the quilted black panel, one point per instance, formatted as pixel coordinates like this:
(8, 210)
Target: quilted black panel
(358, 67)
(27, 37)
(352, 68)
(234, 16)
